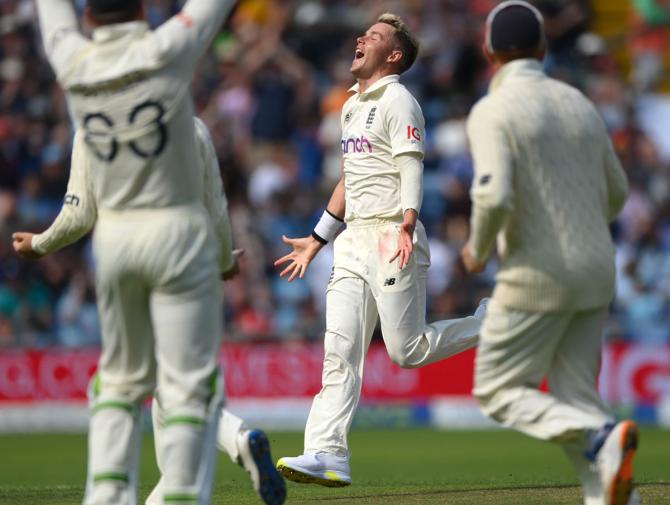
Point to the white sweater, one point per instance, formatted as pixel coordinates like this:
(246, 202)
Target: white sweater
(547, 183)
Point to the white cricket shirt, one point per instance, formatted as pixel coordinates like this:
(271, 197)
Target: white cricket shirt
(378, 125)
(128, 90)
(80, 210)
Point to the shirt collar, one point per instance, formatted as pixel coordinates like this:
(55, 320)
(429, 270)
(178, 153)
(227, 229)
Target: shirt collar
(516, 68)
(106, 33)
(380, 83)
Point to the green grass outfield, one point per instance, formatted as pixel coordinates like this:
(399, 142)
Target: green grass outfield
(388, 467)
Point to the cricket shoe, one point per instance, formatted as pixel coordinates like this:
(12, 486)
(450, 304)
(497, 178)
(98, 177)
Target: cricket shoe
(613, 450)
(318, 468)
(256, 459)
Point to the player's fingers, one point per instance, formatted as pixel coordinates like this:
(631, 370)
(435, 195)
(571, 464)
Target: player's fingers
(287, 240)
(303, 268)
(408, 253)
(397, 253)
(296, 271)
(283, 259)
(238, 252)
(287, 270)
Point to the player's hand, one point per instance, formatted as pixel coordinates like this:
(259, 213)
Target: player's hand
(234, 271)
(23, 245)
(405, 245)
(304, 250)
(471, 264)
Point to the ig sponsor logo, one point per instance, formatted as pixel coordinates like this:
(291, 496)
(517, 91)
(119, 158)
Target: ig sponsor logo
(413, 134)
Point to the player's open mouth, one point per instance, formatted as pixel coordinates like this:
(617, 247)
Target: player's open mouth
(358, 54)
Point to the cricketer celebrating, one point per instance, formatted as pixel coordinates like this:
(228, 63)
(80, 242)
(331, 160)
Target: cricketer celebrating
(157, 272)
(382, 256)
(78, 216)
(547, 183)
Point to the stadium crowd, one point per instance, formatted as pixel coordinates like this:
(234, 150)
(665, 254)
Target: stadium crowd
(271, 89)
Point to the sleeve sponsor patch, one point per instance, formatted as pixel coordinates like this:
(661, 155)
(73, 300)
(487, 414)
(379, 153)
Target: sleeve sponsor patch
(413, 134)
(484, 179)
(71, 199)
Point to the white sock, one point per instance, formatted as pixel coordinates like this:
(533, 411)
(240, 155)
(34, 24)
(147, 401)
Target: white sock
(231, 428)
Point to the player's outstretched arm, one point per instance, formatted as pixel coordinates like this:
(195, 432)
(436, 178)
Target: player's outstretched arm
(76, 218)
(306, 248)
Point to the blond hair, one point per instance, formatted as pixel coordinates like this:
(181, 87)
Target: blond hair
(408, 43)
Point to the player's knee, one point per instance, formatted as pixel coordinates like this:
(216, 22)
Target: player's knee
(133, 393)
(402, 358)
(492, 405)
(340, 350)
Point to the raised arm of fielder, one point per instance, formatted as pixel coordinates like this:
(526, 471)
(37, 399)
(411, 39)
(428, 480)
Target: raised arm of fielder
(183, 38)
(60, 32)
(492, 190)
(305, 248)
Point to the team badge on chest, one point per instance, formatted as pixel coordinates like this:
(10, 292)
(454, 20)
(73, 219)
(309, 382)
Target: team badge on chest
(371, 117)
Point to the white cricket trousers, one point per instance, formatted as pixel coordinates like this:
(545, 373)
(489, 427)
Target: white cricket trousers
(159, 301)
(517, 350)
(364, 286)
